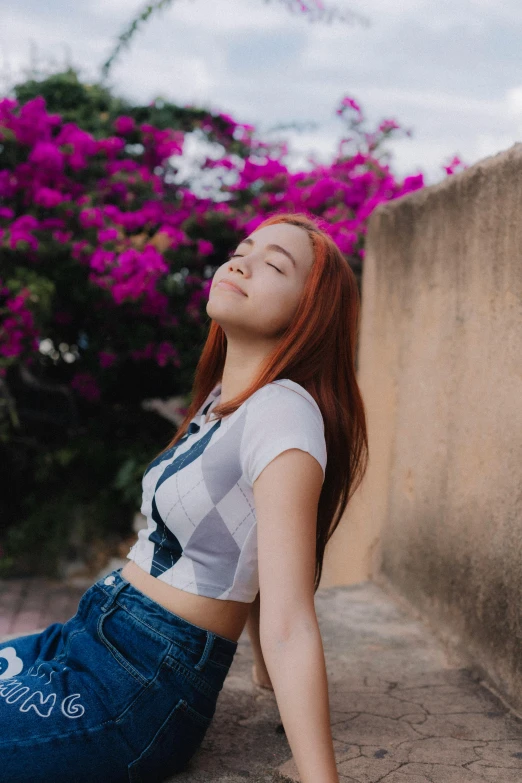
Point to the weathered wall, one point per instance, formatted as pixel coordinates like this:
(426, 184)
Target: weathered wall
(439, 513)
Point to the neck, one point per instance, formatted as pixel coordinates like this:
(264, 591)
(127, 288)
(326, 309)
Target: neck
(243, 362)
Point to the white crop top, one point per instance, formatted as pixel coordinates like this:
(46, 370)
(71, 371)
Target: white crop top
(201, 533)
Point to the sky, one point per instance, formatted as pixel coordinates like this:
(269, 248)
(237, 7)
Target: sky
(449, 70)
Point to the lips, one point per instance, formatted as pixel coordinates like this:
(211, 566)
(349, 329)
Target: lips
(230, 286)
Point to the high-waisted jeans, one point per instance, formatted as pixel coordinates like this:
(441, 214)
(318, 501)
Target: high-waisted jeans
(123, 692)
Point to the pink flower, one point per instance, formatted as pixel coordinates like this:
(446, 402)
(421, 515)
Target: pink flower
(78, 249)
(106, 358)
(62, 236)
(91, 217)
(165, 352)
(25, 238)
(101, 259)
(47, 197)
(46, 155)
(349, 103)
(454, 164)
(85, 384)
(17, 330)
(388, 125)
(111, 147)
(107, 235)
(25, 223)
(124, 125)
(205, 248)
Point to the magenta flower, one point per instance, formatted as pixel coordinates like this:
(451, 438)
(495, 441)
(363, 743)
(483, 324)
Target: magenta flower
(124, 125)
(111, 147)
(107, 235)
(88, 193)
(205, 248)
(106, 358)
(91, 217)
(156, 304)
(79, 250)
(47, 157)
(76, 144)
(101, 260)
(387, 125)
(47, 197)
(349, 103)
(17, 330)
(85, 384)
(62, 236)
(19, 236)
(165, 352)
(454, 165)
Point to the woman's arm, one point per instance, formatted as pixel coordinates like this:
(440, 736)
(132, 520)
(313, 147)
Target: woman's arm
(286, 495)
(298, 672)
(259, 671)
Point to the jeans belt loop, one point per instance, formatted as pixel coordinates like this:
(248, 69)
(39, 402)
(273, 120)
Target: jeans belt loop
(115, 591)
(200, 665)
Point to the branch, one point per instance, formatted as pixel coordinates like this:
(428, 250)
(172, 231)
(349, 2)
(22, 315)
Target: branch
(124, 38)
(314, 10)
(318, 12)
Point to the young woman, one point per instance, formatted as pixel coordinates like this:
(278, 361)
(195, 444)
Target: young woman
(240, 505)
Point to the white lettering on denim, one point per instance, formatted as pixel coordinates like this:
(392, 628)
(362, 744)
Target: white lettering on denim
(10, 686)
(71, 710)
(15, 695)
(51, 672)
(51, 698)
(13, 690)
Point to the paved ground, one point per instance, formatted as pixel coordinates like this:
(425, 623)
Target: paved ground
(402, 711)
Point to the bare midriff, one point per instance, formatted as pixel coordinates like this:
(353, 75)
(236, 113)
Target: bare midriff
(226, 618)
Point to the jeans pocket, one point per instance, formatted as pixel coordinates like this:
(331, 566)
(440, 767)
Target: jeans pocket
(173, 745)
(137, 648)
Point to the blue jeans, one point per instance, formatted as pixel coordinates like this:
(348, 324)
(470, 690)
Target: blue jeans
(123, 692)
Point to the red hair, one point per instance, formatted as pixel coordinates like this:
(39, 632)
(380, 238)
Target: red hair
(318, 351)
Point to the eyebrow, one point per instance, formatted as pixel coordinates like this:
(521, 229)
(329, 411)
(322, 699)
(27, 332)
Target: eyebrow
(277, 248)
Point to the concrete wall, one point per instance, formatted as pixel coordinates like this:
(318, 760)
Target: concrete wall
(439, 513)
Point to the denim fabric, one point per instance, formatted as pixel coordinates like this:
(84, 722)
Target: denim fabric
(123, 692)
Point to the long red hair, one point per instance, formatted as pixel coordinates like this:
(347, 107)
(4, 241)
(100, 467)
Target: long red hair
(318, 351)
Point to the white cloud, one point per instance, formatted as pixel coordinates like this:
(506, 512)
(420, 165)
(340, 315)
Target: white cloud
(451, 73)
(490, 144)
(217, 15)
(514, 101)
(426, 99)
(182, 78)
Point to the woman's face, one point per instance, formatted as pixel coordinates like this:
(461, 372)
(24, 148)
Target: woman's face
(271, 283)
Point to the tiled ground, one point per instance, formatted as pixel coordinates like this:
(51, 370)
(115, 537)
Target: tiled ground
(30, 604)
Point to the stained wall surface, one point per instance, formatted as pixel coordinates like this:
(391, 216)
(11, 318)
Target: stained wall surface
(439, 513)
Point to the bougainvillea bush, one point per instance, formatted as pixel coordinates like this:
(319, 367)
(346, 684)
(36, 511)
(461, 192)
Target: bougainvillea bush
(106, 256)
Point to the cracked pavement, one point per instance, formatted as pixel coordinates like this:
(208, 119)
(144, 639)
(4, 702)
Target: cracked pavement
(403, 708)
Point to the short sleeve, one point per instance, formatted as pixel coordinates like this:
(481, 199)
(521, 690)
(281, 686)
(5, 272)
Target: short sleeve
(278, 419)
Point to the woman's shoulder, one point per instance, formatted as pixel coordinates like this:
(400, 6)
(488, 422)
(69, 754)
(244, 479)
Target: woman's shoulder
(296, 388)
(281, 415)
(285, 395)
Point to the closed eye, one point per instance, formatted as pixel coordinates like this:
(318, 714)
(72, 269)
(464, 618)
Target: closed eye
(237, 255)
